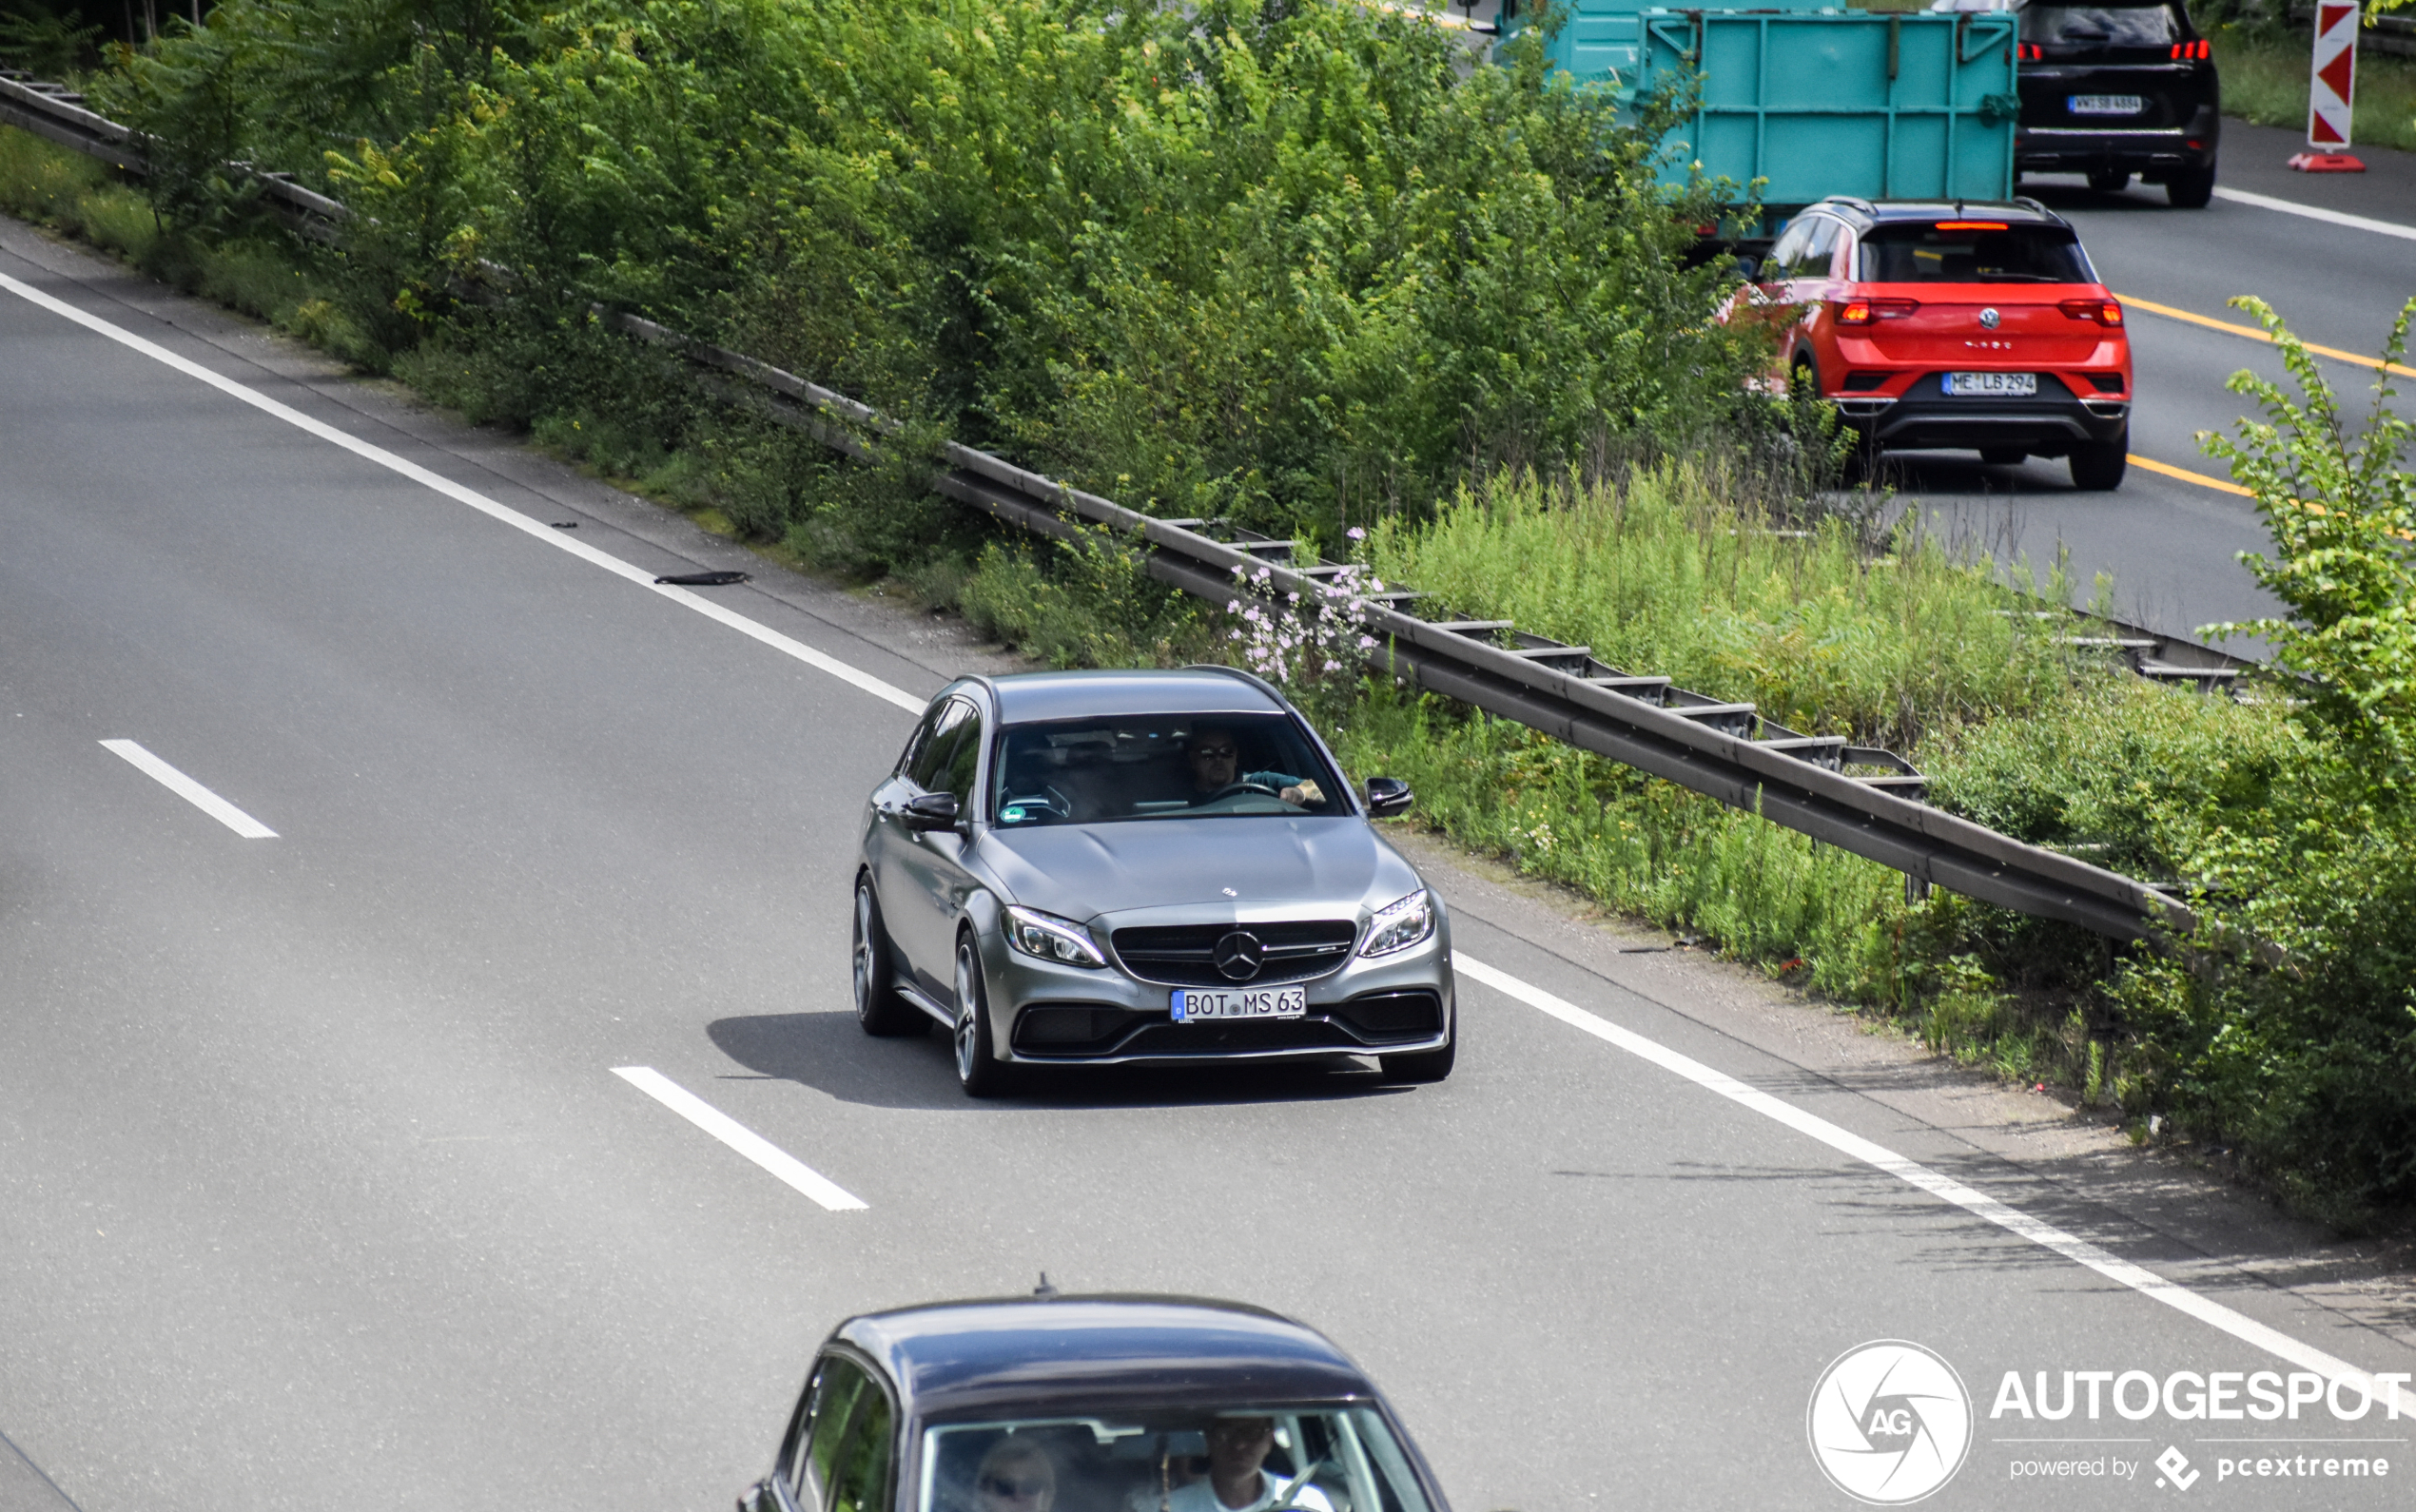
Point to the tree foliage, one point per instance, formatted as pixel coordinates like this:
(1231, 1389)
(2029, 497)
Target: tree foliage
(1298, 263)
(2342, 512)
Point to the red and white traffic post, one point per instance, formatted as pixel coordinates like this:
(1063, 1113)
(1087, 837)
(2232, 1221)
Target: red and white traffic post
(2331, 91)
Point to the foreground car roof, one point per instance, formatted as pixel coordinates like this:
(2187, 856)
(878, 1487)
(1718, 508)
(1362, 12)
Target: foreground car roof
(969, 1358)
(1026, 696)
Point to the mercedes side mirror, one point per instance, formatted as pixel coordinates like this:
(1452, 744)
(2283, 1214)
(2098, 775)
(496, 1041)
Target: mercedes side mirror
(1387, 796)
(930, 811)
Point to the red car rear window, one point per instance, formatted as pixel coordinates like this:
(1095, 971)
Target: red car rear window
(1964, 253)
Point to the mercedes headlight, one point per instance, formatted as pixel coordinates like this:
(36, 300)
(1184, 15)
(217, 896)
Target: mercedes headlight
(1051, 939)
(1398, 925)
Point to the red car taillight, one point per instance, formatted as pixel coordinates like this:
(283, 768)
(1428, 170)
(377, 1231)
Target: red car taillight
(2105, 312)
(1863, 312)
(2191, 50)
(2029, 52)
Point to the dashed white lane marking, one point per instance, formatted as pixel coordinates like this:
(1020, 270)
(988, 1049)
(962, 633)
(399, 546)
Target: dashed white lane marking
(535, 529)
(189, 791)
(2316, 212)
(2387, 1387)
(739, 1138)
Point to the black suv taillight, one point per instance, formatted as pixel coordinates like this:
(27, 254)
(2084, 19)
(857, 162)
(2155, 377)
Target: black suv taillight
(2193, 51)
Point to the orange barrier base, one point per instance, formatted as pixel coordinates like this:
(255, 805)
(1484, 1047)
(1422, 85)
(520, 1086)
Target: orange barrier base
(2327, 163)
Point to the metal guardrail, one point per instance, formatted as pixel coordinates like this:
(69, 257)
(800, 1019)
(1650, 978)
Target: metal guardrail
(57, 112)
(1861, 798)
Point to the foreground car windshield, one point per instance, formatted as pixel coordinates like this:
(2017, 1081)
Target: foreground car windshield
(1177, 766)
(1976, 251)
(1322, 1460)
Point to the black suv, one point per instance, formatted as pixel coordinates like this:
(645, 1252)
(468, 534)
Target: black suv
(2111, 89)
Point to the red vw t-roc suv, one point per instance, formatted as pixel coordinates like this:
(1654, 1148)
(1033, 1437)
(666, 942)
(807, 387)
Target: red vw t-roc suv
(1977, 326)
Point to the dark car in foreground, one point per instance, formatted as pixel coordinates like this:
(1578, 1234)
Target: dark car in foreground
(2112, 89)
(1147, 867)
(1090, 1405)
(1953, 325)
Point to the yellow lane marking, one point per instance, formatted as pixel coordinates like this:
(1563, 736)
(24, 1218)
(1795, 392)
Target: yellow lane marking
(2203, 481)
(2255, 335)
(2188, 476)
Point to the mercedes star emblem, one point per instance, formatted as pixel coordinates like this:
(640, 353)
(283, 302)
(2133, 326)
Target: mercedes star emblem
(1238, 954)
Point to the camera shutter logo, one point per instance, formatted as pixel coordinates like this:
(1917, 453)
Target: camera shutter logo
(1889, 1421)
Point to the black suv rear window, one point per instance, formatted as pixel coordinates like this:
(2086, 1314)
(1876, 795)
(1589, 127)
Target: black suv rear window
(1972, 251)
(2102, 26)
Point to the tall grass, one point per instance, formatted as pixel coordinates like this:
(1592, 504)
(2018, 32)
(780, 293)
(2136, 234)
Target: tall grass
(273, 280)
(1665, 575)
(48, 184)
(1641, 845)
(2265, 81)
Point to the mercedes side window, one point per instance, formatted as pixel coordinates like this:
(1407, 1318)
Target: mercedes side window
(842, 1394)
(964, 759)
(932, 759)
(921, 738)
(862, 1481)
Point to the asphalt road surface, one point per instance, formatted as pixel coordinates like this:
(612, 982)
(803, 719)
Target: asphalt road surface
(2171, 543)
(318, 1186)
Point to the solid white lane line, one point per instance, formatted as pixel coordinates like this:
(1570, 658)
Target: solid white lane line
(535, 529)
(739, 1138)
(189, 791)
(2314, 212)
(2046, 1235)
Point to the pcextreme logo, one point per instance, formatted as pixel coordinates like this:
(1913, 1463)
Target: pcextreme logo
(1889, 1421)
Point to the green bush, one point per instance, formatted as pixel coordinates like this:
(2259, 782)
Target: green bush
(1296, 263)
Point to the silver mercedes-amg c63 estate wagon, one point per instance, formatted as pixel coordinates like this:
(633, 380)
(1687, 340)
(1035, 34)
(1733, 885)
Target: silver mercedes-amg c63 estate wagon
(1100, 867)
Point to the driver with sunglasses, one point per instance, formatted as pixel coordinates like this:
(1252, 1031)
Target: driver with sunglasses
(1215, 756)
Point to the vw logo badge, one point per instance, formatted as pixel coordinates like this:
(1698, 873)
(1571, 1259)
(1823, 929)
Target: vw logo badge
(1988, 319)
(1238, 954)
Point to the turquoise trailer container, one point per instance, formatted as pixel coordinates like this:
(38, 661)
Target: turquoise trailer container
(1816, 100)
